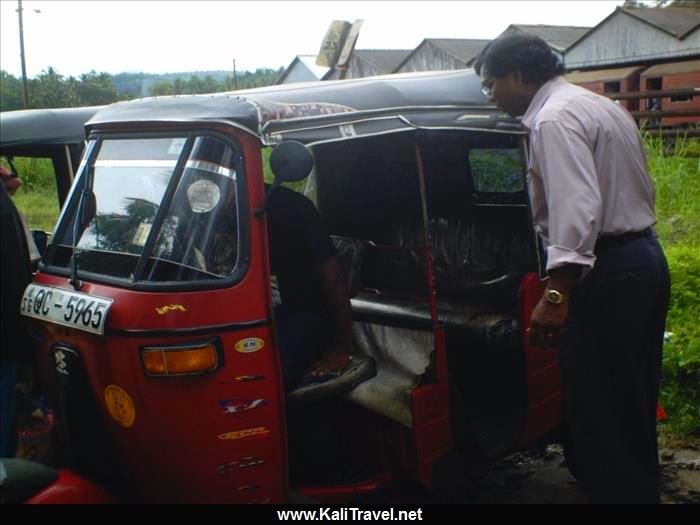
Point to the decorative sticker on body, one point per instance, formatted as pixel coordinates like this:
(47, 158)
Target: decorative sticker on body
(257, 433)
(248, 378)
(236, 406)
(250, 345)
(240, 464)
(120, 406)
(162, 310)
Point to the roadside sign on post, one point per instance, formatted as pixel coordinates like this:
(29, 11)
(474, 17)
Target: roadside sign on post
(349, 43)
(333, 43)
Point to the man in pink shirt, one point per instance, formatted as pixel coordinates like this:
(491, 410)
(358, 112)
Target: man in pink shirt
(607, 294)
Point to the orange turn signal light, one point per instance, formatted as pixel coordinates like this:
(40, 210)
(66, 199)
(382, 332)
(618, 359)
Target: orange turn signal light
(189, 359)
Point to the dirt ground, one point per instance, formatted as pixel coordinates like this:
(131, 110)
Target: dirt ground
(540, 477)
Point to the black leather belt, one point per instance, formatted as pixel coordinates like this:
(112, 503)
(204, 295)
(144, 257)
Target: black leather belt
(611, 241)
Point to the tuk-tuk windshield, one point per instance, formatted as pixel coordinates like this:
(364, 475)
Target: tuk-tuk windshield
(195, 238)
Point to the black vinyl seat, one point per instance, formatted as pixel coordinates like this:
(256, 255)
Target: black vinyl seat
(360, 369)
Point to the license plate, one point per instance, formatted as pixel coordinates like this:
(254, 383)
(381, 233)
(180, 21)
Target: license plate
(73, 309)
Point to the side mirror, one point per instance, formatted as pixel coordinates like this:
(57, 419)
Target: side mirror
(290, 161)
(41, 239)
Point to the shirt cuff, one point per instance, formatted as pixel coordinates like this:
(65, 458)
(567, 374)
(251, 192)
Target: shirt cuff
(558, 256)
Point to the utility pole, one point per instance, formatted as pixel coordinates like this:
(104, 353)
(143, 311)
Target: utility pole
(25, 89)
(235, 77)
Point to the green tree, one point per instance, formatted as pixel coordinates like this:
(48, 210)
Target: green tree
(179, 86)
(162, 88)
(51, 90)
(10, 92)
(115, 231)
(678, 3)
(96, 89)
(661, 3)
(194, 85)
(210, 85)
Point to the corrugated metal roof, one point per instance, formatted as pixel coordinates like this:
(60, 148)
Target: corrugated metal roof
(386, 60)
(678, 21)
(462, 48)
(689, 66)
(601, 75)
(558, 37)
(648, 59)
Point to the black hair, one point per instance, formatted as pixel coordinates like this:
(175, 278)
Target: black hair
(520, 51)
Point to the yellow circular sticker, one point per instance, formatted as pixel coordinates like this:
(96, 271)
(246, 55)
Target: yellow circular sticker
(250, 345)
(120, 406)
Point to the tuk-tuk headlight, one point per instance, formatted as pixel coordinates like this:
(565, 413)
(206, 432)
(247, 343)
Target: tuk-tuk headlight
(187, 359)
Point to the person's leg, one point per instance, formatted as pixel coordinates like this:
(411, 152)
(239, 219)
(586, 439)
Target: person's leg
(8, 381)
(299, 335)
(610, 357)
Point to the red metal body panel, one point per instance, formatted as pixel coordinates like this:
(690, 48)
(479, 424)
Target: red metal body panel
(180, 447)
(343, 493)
(542, 368)
(431, 435)
(71, 489)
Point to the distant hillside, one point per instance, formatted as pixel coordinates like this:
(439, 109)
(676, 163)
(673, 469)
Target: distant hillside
(50, 89)
(139, 84)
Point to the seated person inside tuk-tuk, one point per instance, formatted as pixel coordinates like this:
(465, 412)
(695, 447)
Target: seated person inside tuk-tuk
(312, 308)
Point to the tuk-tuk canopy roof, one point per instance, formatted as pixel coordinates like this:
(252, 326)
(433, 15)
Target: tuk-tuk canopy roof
(330, 110)
(44, 127)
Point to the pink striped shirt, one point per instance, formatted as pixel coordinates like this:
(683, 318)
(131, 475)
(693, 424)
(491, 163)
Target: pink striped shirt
(587, 172)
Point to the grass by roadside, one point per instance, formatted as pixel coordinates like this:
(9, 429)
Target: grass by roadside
(37, 197)
(677, 177)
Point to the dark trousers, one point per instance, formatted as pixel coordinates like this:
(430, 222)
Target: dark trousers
(301, 335)
(610, 359)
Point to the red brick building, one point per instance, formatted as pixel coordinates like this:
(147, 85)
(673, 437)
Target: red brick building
(674, 75)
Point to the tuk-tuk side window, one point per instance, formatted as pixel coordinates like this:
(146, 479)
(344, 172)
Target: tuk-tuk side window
(195, 239)
(199, 238)
(496, 170)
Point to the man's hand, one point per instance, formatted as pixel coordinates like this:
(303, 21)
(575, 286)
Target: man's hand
(548, 319)
(547, 323)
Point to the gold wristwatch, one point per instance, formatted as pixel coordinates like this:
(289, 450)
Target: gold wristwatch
(555, 296)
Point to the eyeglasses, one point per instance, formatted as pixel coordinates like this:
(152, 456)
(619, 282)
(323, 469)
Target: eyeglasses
(487, 88)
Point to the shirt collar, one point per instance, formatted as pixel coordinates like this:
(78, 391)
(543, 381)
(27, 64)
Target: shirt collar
(540, 98)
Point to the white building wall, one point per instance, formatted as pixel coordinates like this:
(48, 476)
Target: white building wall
(299, 73)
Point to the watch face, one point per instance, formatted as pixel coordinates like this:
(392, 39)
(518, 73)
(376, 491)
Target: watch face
(554, 297)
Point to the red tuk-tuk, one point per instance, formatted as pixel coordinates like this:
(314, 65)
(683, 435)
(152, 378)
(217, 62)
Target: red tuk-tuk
(153, 313)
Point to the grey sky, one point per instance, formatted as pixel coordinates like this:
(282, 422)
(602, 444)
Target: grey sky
(170, 36)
